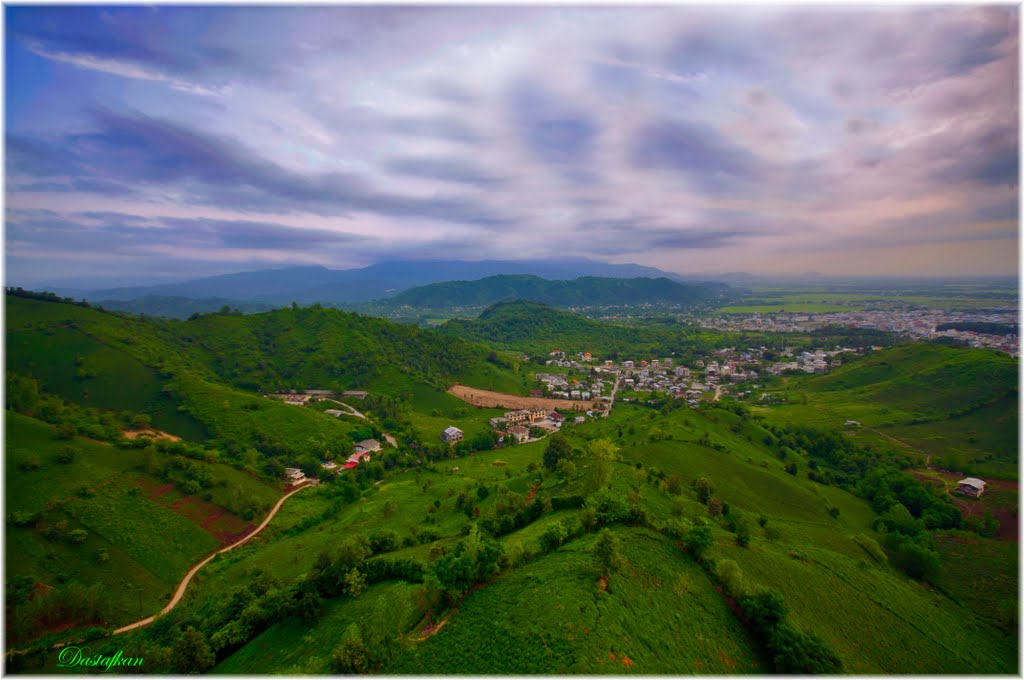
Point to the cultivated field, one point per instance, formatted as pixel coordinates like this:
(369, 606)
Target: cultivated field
(488, 399)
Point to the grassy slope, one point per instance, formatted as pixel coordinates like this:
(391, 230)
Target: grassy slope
(879, 622)
(42, 344)
(150, 545)
(939, 400)
(660, 613)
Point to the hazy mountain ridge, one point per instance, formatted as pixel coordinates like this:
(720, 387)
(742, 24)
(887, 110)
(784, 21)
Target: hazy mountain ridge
(583, 291)
(308, 284)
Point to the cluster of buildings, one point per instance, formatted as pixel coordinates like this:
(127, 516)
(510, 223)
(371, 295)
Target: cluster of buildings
(360, 454)
(561, 386)
(919, 323)
(816, 361)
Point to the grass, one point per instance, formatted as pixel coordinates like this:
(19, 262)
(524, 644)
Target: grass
(660, 613)
(873, 616)
(788, 307)
(826, 300)
(75, 366)
(953, 403)
(137, 547)
(298, 648)
(983, 576)
(164, 542)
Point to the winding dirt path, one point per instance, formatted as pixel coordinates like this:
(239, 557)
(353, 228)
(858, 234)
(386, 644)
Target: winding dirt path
(351, 411)
(180, 592)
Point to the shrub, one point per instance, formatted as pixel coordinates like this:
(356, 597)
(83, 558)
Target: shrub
(350, 656)
(553, 536)
(699, 540)
(704, 489)
(78, 535)
(607, 553)
(796, 652)
(872, 548)
(731, 577)
(384, 540)
(66, 455)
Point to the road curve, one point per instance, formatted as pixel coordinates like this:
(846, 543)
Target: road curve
(192, 572)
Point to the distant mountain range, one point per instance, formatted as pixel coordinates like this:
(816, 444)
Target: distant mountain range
(176, 307)
(307, 285)
(583, 291)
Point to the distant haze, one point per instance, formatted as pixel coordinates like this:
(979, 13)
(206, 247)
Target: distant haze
(149, 144)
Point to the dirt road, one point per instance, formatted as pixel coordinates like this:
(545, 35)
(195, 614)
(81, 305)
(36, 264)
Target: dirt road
(192, 572)
(487, 399)
(351, 411)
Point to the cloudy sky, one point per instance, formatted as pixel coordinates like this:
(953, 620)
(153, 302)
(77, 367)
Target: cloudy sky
(163, 142)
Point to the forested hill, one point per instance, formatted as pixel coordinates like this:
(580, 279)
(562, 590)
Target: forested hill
(290, 348)
(316, 346)
(583, 291)
(536, 327)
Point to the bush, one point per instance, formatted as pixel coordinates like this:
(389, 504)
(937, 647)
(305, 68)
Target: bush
(796, 652)
(872, 548)
(384, 540)
(66, 455)
(704, 489)
(607, 553)
(78, 535)
(917, 561)
(553, 536)
(350, 656)
(699, 540)
(191, 653)
(731, 577)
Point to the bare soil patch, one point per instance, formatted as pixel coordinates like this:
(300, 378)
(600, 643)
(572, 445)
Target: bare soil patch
(151, 433)
(488, 399)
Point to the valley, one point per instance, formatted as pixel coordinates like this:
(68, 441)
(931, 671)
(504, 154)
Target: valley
(645, 541)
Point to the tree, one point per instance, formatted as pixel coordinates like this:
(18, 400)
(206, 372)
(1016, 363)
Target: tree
(351, 656)
(600, 454)
(704, 488)
(565, 470)
(355, 583)
(699, 540)
(558, 449)
(191, 653)
(608, 553)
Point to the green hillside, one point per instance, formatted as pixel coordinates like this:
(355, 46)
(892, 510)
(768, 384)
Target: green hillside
(661, 610)
(538, 328)
(584, 291)
(959, 405)
(203, 379)
(99, 535)
(668, 540)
